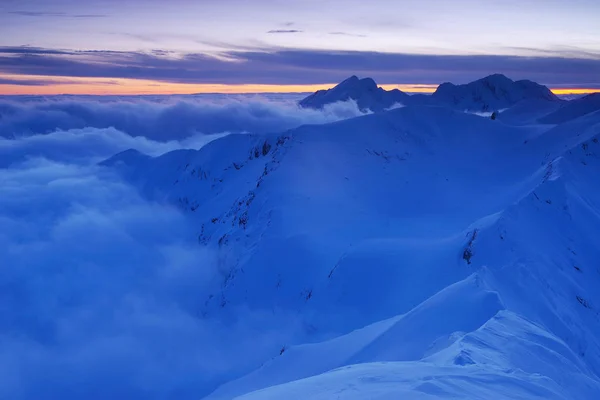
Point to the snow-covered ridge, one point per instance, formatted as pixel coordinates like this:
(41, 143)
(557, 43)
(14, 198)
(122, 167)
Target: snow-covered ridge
(415, 243)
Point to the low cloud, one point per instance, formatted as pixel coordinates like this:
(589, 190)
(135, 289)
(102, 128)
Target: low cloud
(102, 288)
(88, 145)
(160, 118)
(395, 106)
(101, 292)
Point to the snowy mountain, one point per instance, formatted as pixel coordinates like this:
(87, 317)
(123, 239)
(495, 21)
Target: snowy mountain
(364, 91)
(574, 109)
(422, 251)
(494, 92)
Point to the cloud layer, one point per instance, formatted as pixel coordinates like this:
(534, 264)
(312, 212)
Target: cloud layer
(161, 118)
(271, 65)
(100, 287)
(101, 291)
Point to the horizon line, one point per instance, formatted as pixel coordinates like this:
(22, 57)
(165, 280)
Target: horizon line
(49, 86)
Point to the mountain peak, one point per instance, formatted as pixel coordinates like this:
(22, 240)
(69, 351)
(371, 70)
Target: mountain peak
(358, 84)
(365, 92)
(349, 81)
(492, 92)
(498, 79)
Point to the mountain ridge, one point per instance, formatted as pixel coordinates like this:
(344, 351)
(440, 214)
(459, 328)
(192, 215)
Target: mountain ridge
(491, 93)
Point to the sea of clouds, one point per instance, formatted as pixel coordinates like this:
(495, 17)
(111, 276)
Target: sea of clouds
(99, 286)
(163, 118)
(88, 129)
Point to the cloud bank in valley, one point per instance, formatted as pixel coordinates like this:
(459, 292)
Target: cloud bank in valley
(88, 129)
(89, 145)
(101, 290)
(161, 118)
(101, 287)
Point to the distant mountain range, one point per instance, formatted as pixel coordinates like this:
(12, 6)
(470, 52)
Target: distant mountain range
(494, 92)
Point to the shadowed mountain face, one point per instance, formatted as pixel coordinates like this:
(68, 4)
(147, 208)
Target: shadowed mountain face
(494, 92)
(491, 93)
(364, 91)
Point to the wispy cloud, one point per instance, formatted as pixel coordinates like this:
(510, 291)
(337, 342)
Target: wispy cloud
(565, 51)
(279, 66)
(42, 82)
(347, 34)
(55, 14)
(143, 38)
(24, 82)
(285, 31)
(15, 50)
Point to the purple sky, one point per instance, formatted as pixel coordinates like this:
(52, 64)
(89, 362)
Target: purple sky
(303, 42)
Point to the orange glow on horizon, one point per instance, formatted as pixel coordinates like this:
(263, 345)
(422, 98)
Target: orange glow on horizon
(574, 91)
(417, 88)
(121, 86)
(52, 85)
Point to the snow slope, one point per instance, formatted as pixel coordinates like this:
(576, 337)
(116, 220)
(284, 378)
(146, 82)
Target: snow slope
(474, 367)
(422, 251)
(574, 109)
(364, 91)
(529, 111)
(548, 288)
(419, 328)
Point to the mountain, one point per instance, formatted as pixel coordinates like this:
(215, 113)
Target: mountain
(574, 109)
(365, 92)
(494, 92)
(423, 252)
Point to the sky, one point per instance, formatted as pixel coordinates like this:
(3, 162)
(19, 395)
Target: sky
(185, 46)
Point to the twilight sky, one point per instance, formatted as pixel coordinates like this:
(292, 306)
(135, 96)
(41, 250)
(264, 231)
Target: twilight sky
(185, 46)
